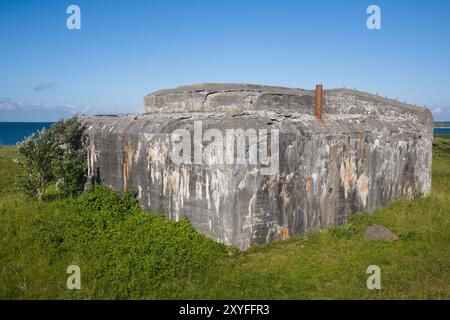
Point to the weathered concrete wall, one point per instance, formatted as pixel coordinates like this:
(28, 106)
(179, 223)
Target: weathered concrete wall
(367, 152)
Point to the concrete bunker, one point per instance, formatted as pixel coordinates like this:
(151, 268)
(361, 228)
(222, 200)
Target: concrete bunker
(362, 152)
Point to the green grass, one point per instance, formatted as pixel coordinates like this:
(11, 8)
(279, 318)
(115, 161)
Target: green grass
(126, 253)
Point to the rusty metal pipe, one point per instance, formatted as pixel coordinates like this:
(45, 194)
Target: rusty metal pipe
(319, 98)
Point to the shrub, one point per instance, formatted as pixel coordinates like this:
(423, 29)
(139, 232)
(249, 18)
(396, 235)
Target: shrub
(127, 249)
(53, 154)
(70, 158)
(37, 158)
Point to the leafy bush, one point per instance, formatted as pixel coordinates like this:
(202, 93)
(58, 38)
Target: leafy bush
(127, 249)
(37, 158)
(54, 154)
(70, 162)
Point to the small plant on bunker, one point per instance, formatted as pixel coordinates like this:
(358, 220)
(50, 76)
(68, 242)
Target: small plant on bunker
(54, 154)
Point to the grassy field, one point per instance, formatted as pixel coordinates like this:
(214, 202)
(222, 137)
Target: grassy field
(126, 253)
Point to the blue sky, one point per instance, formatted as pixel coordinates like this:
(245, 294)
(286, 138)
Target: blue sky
(127, 49)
